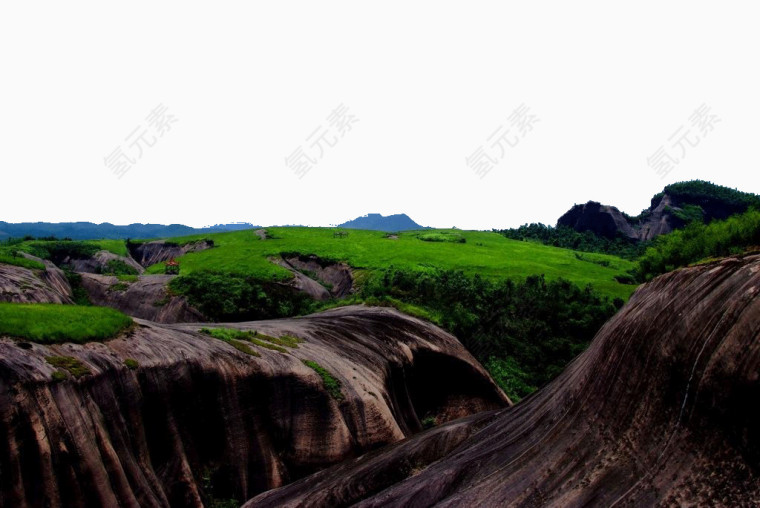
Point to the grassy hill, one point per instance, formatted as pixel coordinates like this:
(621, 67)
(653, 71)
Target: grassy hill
(490, 255)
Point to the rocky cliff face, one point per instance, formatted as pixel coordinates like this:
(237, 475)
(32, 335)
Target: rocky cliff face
(662, 410)
(663, 216)
(199, 418)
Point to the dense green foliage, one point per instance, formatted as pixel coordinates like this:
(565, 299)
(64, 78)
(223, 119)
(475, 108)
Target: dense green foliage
(332, 385)
(232, 297)
(244, 255)
(118, 267)
(700, 190)
(56, 250)
(79, 293)
(526, 331)
(568, 238)
(698, 241)
(53, 324)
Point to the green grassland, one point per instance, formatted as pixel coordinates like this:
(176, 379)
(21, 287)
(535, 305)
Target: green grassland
(52, 323)
(489, 254)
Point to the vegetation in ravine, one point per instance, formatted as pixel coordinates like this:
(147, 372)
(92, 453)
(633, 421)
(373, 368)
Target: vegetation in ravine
(525, 331)
(53, 324)
(568, 238)
(698, 242)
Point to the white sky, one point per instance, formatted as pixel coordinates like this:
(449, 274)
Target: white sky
(428, 84)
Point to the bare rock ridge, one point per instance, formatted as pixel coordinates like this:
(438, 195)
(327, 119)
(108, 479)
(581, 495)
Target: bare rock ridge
(198, 417)
(671, 209)
(609, 222)
(661, 410)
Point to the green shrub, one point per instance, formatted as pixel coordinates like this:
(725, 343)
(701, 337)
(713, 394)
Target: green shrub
(231, 297)
(698, 241)
(119, 286)
(429, 422)
(119, 267)
(332, 385)
(58, 376)
(79, 293)
(131, 364)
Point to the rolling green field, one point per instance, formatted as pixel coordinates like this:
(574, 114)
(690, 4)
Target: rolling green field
(489, 254)
(52, 323)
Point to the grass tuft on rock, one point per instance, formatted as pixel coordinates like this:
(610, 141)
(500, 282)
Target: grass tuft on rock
(332, 385)
(69, 363)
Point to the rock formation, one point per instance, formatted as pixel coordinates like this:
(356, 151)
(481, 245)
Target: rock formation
(150, 253)
(194, 418)
(24, 285)
(147, 298)
(661, 410)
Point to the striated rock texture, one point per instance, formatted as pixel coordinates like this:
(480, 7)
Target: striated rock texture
(150, 253)
(99, 262)
(22, 285)
(148, 298)
(662, 410)
(198, 419)
(319, 279)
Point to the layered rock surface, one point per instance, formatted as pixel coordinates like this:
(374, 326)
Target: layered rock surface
(199, 418)
(147, 298)
(662, 410)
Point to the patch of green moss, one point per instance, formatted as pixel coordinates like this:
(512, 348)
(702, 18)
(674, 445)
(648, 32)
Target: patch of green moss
(332, 385)
(69, 363)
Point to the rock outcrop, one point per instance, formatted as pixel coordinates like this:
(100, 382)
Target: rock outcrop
(198, 418)
(662, 410)
(602, 220)
(319, 279)
(147, 298)
(99, 263)
(24, 285)
(150, 253)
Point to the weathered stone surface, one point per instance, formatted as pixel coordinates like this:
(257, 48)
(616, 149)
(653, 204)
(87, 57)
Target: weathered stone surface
(661, 410)
(150, 253)
(147, 298)
(22, 285)
(99, 262)
(197, 411)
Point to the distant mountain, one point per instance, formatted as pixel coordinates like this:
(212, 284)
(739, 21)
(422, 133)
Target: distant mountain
(673, 208)
(91, 231)
(377, 222)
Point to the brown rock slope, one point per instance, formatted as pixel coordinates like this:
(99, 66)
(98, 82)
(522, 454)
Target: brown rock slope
(23, 285)
(147, 298)
(663, 409)
(150, 253)
(200, 418)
